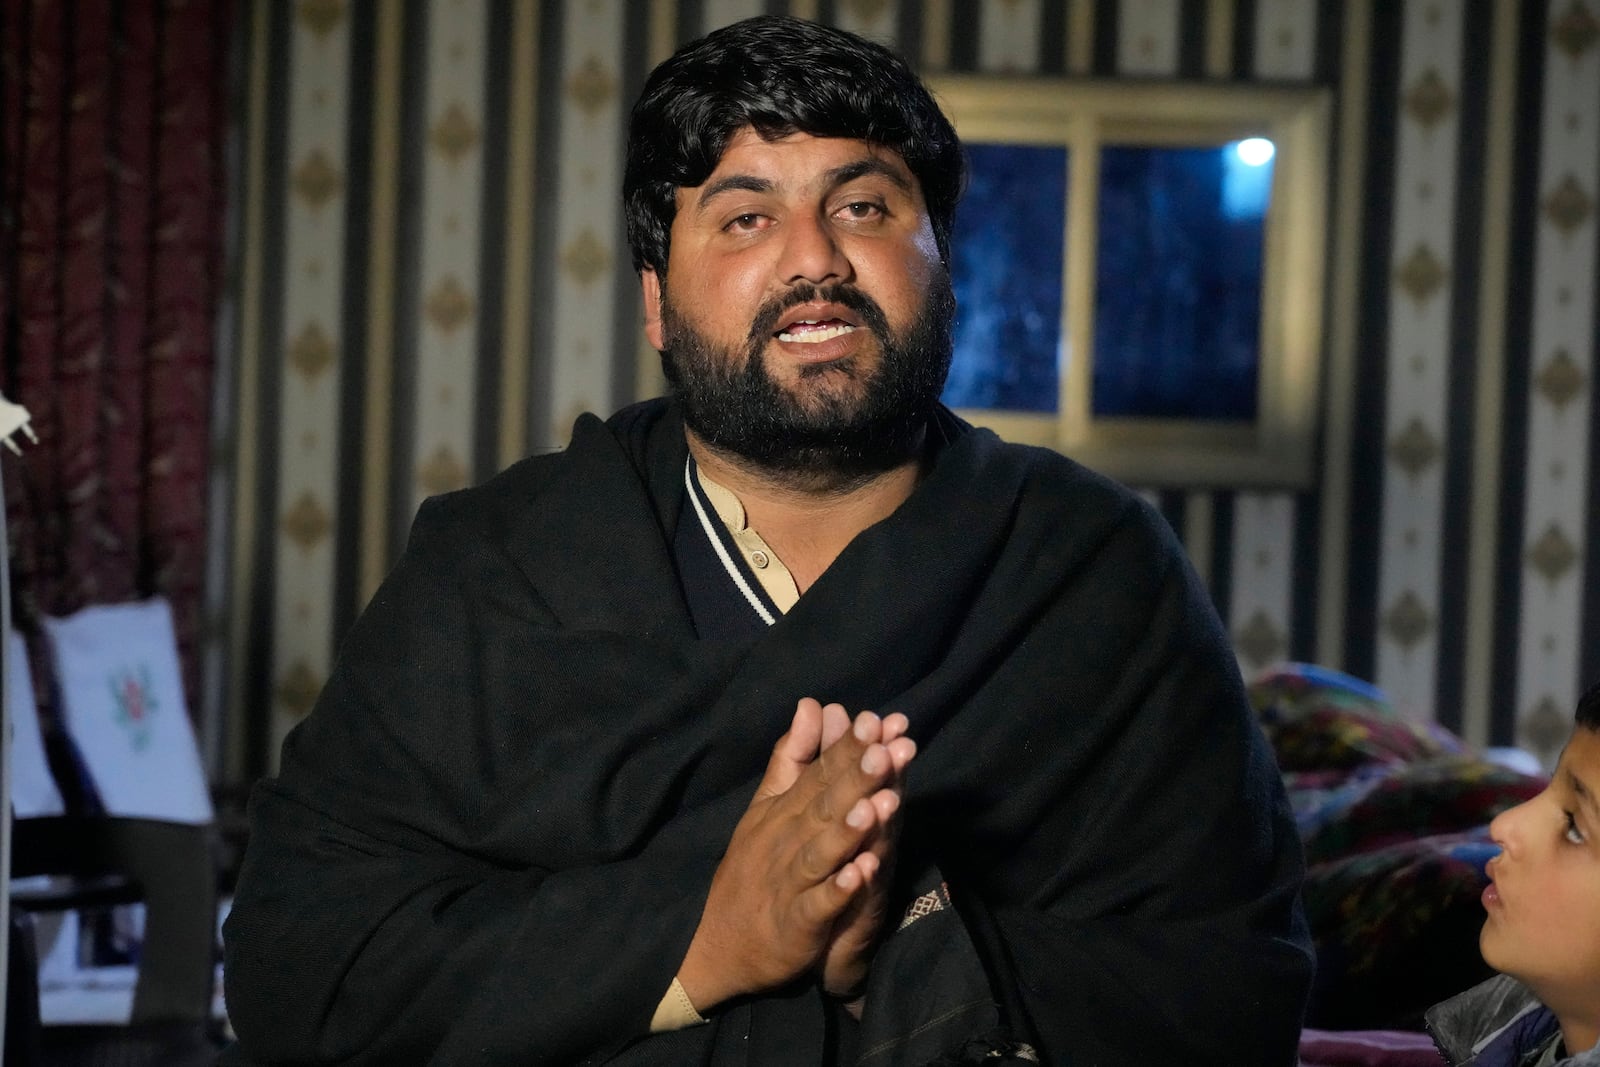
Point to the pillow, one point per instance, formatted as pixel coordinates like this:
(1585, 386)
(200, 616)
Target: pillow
(1396, 930)
(1321, 719)
(122, 703)
(1443, 795)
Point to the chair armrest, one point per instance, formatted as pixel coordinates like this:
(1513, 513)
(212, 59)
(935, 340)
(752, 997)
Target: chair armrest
(174, 865)
(72, 892)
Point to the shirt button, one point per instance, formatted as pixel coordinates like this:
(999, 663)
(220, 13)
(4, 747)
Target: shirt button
(759, 558)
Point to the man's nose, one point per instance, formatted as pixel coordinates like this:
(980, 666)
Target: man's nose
(812, 253)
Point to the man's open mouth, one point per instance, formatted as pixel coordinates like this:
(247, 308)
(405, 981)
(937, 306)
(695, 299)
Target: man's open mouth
(814, 331)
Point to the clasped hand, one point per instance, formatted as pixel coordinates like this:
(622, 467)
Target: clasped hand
(803, 886)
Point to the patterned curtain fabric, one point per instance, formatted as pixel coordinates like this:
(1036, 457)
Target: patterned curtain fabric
(112, 127)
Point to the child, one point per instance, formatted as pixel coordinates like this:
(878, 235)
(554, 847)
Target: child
(1543, 926)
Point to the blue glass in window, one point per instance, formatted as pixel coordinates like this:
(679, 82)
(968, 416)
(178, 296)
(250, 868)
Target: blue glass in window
(1007, 270)
(1178, 281)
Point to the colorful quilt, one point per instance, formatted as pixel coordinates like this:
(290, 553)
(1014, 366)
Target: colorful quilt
(1394, 818)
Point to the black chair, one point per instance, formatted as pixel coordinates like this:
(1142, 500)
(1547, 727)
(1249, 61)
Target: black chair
(22, 1048)
(98, 859)
(110, 860)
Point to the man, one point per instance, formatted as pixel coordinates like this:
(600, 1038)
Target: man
(573, 793)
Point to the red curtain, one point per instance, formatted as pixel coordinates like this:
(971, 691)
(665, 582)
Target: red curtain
(112, 190)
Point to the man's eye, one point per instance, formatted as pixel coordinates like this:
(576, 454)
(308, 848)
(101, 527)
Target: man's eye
(750, 221)
(861, 209)
(1573, 834)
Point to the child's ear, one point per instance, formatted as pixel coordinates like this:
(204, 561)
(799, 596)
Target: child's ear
(650, 284)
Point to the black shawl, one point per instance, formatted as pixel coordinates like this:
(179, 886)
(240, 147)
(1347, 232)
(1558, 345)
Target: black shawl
(491, 840)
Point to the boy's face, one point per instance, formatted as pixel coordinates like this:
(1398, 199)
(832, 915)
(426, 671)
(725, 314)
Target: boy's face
(1543, 925)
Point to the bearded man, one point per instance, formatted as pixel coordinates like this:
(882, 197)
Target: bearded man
(788, 719)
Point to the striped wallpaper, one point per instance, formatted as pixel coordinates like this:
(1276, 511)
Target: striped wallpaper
(432, 281)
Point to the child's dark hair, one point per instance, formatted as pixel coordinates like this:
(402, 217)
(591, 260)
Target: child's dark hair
(779, 75)
(1588, 713)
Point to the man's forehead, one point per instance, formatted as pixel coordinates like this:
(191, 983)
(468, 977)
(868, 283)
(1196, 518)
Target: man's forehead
(747, 149)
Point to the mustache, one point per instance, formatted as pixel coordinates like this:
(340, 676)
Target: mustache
(844, 294)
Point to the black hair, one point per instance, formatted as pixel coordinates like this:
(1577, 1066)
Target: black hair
(1588, 713)
(779, 75)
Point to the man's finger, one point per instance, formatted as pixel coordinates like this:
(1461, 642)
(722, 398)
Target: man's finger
(795, 750)
(868, 728)
(866, 865)
(834, 842)
(884, 803)
(824, 902)
(835, 723)
(901, 752)
(804, 739)
(843, 775)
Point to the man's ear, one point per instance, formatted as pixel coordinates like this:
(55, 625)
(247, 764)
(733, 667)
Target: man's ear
(650, 282)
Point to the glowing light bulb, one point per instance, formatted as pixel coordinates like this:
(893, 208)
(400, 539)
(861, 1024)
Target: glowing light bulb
(1255, 151)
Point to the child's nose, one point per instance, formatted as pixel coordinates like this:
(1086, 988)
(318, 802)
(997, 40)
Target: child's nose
(1503, 828)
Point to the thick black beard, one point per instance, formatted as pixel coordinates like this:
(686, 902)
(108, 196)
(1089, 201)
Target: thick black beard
(831, 436)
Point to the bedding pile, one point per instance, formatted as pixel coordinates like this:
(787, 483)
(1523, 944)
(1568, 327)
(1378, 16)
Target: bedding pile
(1394, 819)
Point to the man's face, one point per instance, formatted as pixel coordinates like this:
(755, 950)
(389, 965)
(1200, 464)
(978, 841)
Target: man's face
(807, 317)
(1543, 923)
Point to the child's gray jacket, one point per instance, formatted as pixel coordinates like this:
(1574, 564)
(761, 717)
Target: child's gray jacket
(1499, 1023)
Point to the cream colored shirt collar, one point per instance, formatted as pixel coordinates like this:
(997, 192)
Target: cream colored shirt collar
(764, 563)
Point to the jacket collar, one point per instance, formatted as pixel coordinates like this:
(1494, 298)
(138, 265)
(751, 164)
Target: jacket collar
(1495, 1024)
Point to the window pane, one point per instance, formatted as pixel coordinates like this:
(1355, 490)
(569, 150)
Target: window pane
(1178, 281)
(1006, 267)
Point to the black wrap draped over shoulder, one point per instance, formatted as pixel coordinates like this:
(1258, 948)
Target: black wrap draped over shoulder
(491, 840)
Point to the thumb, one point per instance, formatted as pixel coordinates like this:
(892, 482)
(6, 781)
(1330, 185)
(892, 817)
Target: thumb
(794, 751)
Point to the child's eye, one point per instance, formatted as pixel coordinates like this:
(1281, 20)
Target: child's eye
(1573, 834)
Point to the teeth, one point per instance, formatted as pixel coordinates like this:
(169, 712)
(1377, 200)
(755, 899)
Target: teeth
(815, 336)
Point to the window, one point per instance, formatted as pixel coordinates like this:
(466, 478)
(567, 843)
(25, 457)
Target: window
(1170, 233)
